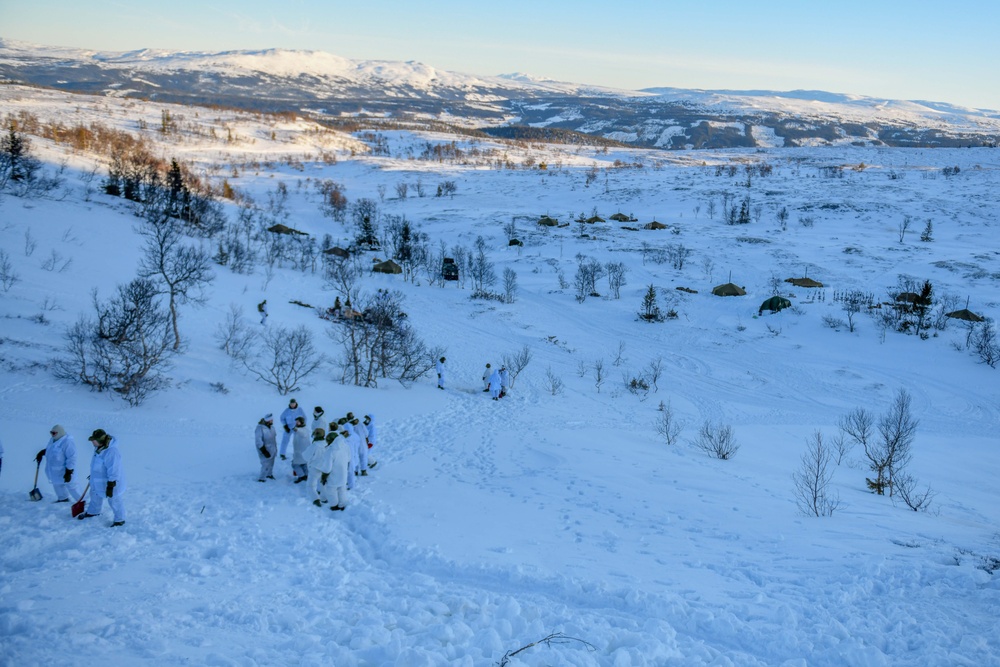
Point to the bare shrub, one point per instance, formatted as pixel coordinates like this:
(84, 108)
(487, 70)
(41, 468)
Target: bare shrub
(234, 336)
(284, 358)
(517, 362)
(667, 425)
(906, 486)
(553, 383)
(812, 480)
(717, 440)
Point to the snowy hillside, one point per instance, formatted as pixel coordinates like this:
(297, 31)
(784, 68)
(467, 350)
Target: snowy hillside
(489, 525)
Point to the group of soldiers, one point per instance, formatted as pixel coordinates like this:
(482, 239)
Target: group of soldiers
(328, 455)
(496, 381)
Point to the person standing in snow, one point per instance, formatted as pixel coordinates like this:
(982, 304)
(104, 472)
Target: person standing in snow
(107, 478)
(266, 441)
(320, 464)
(300, 443)
(495, 385)
(338, 309)
(486, 377)
(339, 481)
(361, 431)
(1, 455)
(318, 419)
(287, 419)
(504, 381)
(372, 437)
(60, 462)
(355, 446)
(344, 428)
(439, 366)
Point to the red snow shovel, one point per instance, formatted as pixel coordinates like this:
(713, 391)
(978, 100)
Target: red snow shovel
(77, 508)
(35, 494)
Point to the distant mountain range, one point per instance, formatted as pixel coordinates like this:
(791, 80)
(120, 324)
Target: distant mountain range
(312, 82)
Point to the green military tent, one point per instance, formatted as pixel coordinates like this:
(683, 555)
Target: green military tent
(774, 304)
(728, 289)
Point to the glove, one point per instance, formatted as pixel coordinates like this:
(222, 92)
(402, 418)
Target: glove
(323, 477)
(263, 451)
(39, 455)
(68, 475)
(287, 430)
(110, 491)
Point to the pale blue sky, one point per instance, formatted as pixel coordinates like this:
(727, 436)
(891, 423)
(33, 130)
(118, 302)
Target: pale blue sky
(915, 49)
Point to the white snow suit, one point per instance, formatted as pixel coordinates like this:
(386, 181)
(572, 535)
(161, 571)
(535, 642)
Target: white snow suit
(504, 380)
(495, 385)
(287, 420)
(300, 442)
(320, 463)
(60, 456)
(106, 466)
(337, 484)
(362, 432)
(486, 377)
(439, 367)
(265, 437)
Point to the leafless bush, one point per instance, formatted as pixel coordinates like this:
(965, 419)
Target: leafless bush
(905, 485)
(126, 349)
(599, 374)
(668, 426)
(8, 276)
(717, 440)
(812, 480)
(234, 335)
(654, 370)
(834, 323)
(284, 358)
(517, 362)
(984, 342)
(553, 383)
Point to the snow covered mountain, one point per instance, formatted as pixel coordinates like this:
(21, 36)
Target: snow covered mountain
(317, 82)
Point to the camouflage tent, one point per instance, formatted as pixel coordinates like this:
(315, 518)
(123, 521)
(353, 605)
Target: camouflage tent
(774, 304)
(804, 282)
(621, 217)
(546, 221)
(284, 229)
(594, 218)
(338, 252)
(655, 225)
(388, 266)
(728, 289)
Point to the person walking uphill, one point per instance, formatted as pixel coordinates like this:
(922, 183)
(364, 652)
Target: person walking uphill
(439, 366)
(266, 441)
(60, 464)
(107, 478)
(288, 417)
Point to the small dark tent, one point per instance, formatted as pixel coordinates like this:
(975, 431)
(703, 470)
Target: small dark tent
(655, 225)
(964, 314)
(728, 289)
(774, 304)
(594, 218)
(284, 229)
(621, 217)
(338, 252)
(388, 266)
(804, 282)
(546, 221)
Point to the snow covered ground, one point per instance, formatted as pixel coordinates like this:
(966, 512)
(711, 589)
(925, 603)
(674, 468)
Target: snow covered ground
(490, 525)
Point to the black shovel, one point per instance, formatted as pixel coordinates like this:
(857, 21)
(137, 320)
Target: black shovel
(35, 494)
